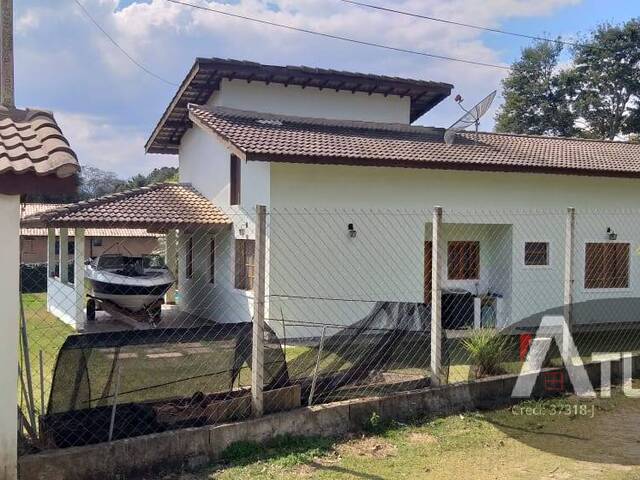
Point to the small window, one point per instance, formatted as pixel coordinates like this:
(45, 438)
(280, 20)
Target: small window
(235, 181)
(96, 241)
(606, 265)
(212, 261)
(463, 260)
(536, 254)
(189, 259)
(245, 264)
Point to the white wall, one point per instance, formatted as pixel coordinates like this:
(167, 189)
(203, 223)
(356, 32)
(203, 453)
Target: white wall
(385, 260)
(9, 319)
(311, 102)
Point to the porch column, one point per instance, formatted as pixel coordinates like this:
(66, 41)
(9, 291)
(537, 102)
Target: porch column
(9, 322)
(171, 258)
(436, 297)
(78, 276)
(567, 325)
(51, 252)
(64, 255)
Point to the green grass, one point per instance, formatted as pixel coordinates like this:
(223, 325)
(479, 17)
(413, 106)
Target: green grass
(46, 334)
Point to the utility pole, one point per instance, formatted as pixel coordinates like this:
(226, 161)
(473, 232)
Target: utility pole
(6, 54)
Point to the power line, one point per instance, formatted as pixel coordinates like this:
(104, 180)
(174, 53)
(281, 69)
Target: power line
(459, 24)
(125, 53)
(339, 37)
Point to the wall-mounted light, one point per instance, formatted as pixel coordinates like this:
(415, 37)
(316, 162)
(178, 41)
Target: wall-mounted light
(351, 230)
(611, 234)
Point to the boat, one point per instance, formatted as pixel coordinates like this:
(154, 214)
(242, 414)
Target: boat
(132, 283)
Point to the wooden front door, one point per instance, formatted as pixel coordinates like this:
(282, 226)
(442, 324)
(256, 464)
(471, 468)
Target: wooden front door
(427, 271)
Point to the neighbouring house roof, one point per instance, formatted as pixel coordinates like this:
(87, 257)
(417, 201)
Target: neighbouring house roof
(156, 208)
(34, 154)
(279, 138)
(206, 73)
(31, 209)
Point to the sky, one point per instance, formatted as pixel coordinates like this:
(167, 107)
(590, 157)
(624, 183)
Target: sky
(107, 106)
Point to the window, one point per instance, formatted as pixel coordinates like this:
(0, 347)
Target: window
(212, 261)
(463, 260)
(235, 181)
(245, 264)
(189, 260)
(536, 254)
(606, 265)
(96, 241)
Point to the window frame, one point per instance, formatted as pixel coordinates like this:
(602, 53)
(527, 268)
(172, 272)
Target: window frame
(242, 279)
(235, 180)
(212, 260)
(600, 288)
(478, 266)
(188, 257)
(524, 255)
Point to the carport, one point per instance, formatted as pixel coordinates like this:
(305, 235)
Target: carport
(164, 208)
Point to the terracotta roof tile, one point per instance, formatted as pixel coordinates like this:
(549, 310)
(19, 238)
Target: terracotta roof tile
(31, 209)
(31, 141)
(258, 136)
(156, 208)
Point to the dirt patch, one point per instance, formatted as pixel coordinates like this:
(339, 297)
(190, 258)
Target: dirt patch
(371, 447)
(421, 438)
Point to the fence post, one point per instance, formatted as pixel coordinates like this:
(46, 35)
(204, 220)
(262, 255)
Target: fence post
(63, 255)
(51, 252)
(436, 298)
(567, 325)
(78, 276)
(257, 345)
(170, 246)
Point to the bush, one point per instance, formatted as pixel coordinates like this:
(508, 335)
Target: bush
(487, 350)
(33, 277)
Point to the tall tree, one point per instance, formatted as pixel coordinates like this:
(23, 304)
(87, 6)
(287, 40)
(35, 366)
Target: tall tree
(606, 78)
(95, 182)
(535, 95)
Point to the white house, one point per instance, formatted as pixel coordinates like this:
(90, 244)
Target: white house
(295, 138)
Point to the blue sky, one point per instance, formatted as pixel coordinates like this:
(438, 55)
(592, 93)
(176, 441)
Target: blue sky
(108, 107)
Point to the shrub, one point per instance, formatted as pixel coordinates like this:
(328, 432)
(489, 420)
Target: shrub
(487, 350)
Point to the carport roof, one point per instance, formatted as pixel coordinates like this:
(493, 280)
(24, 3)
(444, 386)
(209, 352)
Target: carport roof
(156, 208)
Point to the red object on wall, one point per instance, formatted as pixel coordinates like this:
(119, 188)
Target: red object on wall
(525, 343)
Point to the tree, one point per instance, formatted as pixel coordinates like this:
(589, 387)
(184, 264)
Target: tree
(606, 78)
(95, 182)
(535, 96)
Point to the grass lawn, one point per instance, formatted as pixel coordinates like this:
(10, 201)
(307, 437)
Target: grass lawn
(47, 334)
(494, 445)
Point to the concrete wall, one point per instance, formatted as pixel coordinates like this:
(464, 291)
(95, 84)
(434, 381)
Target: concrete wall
(61, 301)
(9, 319)
(311, 102)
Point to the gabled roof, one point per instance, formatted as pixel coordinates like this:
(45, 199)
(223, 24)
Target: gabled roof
(33, 150)
(204, 79)
(33, 209)
(278, 138)
(157, 208)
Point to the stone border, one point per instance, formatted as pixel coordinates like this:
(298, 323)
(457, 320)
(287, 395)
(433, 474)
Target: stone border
(193, 447)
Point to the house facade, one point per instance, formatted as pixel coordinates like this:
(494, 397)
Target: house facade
(295, 138)
(33, 241)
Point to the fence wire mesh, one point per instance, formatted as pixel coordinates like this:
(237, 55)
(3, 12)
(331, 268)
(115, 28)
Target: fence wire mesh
(122, 337)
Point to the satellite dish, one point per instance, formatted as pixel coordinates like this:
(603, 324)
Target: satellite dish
(471, 117)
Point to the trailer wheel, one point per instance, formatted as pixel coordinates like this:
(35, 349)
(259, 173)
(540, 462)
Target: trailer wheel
(91, 310)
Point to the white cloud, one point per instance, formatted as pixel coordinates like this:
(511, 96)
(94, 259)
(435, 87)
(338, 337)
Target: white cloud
(101, 142)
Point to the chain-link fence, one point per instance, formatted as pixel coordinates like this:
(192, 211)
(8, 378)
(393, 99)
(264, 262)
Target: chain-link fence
(353, 302)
